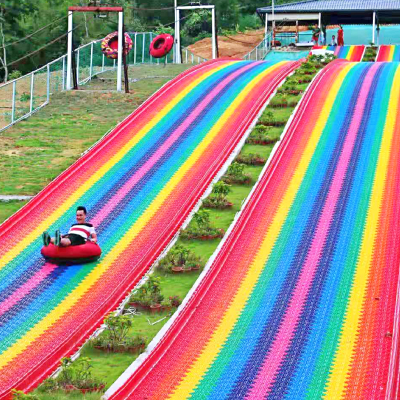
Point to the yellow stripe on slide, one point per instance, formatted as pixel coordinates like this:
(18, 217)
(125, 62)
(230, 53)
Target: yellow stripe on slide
(73, 198)
(343, 357)
(391, 53)
(75, 296)
(214, 346)
(350, 53)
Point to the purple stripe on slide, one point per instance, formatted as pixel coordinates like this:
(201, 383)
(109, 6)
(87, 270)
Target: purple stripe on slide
(26, 288)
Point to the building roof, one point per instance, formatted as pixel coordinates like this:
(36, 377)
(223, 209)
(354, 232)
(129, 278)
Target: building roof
(334, 6)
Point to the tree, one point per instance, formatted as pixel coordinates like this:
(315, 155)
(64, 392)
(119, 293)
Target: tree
(11, 14)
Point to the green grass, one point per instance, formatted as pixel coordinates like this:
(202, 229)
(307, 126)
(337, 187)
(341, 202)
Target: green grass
(8, 208)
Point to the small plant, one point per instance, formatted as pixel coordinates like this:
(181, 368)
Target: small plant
(175, 301)
(250, 159)
(117, 327)
(201, 228)
(236, 174)
(15, 75)
(19, 394)
(180, 258)
(77, 375)
(25, 97)
(217, 198)
(149, 294)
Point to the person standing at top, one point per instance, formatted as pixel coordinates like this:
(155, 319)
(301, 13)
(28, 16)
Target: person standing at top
(315, 34)
(340, 40)
(333, 41)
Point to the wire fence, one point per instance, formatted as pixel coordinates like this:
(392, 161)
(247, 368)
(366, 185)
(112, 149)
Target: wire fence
(23, 96)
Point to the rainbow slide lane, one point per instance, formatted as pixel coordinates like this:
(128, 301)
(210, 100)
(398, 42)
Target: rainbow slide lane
(139, 184)
(349, 53)
(388, 53)
(300, 300)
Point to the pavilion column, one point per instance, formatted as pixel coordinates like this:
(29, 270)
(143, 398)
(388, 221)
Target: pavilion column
(373, 27)
(266, 24)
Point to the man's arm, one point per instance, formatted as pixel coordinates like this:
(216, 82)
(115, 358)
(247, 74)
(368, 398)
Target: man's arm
(94, 237)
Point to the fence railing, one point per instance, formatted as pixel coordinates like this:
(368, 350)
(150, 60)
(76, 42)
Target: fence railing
(23, 96)
(261, 50)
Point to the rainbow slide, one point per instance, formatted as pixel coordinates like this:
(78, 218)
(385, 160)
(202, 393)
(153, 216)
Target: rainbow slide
(388, 53)
(139, 185)
(300, 301)
(349, 53)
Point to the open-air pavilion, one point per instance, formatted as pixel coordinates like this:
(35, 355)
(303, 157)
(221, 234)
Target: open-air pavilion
(334, 12)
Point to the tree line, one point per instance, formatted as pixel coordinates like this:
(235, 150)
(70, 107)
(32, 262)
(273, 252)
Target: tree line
(20, 18)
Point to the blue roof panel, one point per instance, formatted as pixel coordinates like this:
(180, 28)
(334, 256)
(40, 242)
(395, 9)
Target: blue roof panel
(335, 5)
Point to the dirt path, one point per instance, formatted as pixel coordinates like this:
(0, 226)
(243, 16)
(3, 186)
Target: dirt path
(235, 46)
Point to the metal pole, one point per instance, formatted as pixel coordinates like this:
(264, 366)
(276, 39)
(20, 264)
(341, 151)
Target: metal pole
(373, 27)
(178, 37)
(31, 102)
(119, 71)
(214, 40)
(176, 31)
(266, 24)
(91, 61)
(63, 74)
(143, 44)
(77, 66)
(13, 103)
(134, 51)
(273, 10)
(102, 63)
(151, 39)
(48, 82)
(69, 51)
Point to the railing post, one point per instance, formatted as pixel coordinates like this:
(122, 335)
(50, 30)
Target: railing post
(13, 102)
(102, 63)
(134, 50)
(186, 56)
(48, 83)
(151, 39)
(31, 102)
(77, 66)
(63, 74)
(192, 58)
(91, 61)
(144, 43)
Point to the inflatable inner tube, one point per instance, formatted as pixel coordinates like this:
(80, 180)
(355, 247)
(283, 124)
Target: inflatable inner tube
(72, 254)
(109, 45)
(161, 45)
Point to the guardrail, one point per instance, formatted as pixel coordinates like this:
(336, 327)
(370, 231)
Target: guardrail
(261, 50)
(22, 97)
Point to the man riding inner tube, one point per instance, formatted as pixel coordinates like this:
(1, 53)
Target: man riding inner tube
(78, 234)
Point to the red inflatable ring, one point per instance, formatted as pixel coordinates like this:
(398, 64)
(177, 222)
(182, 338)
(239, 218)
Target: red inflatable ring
(161, 45)
(72, 254)
(109, 45)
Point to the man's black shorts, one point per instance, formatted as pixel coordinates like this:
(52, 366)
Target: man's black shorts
(76, 240)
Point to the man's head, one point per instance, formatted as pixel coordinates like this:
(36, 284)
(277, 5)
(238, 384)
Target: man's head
(333, 37)
(81, 214)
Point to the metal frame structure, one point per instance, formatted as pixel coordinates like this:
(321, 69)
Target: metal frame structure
(178, 59)
(120, 11)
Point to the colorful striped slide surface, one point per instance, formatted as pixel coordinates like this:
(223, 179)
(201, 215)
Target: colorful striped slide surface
(139, 184)
(300, 300)
(388, 53)
(349, 53)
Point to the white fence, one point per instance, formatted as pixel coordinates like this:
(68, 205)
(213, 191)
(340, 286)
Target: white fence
(23, 96)
(259, 52)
